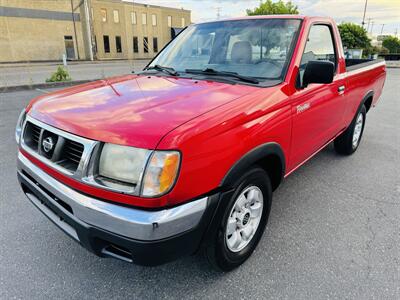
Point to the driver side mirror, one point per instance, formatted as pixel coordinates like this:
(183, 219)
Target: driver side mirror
(318, 71)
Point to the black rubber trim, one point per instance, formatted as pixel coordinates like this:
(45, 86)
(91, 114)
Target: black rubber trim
(221, 204)
(106, 244)
(369, 94)
(250, 158)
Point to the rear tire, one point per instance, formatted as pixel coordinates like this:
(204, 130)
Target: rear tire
(243, 221)
(348, 142)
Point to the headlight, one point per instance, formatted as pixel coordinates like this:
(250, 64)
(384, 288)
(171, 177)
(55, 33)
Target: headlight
(126, 169)
(18, 129)
(123, 165)
(161, 173)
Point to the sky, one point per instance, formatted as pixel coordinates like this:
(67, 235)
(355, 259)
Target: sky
(380, 11)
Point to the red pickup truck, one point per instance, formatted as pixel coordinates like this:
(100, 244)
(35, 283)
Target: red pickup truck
(184, 156)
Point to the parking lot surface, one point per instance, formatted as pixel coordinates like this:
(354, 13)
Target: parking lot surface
(333, 233)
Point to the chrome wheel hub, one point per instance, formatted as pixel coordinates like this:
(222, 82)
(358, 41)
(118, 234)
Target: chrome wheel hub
(357, 130)
(244, 218)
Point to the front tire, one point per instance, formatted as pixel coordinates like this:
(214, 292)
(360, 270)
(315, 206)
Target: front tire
(348, 142)
(243, 222)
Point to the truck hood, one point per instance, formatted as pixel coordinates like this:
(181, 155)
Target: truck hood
(132, 110)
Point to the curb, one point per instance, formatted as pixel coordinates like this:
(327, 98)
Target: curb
(25, 87)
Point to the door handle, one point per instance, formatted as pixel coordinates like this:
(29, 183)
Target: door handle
(341, 89)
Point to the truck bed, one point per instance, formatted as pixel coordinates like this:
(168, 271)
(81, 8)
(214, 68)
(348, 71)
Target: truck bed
(356, 63)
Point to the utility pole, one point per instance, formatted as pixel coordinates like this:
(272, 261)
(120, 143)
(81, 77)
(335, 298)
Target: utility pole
(218, 13)
(383, 25)
(133, 26)
(369, 22)
(365, 10)
(218, 9)
(372, 26)
(73, 21)
(88, 29)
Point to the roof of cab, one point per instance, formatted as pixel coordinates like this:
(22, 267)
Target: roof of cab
(295, 17)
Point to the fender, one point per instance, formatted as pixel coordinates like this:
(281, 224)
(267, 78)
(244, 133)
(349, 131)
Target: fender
(355, 110)
(242, 165)
(252, 157)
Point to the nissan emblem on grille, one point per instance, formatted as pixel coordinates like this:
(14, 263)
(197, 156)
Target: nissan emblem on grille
(48, 144)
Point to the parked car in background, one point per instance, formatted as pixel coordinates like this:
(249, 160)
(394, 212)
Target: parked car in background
(185, 156)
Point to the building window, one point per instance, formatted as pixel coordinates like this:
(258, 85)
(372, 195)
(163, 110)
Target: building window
(116, 16)
(155, 45)
(182, 22)
(169, 21)
(118, 45)
(133, 18)
(106, 41)
(146, 45)
(154, 20)
(103, 13)
(135, 45)
(144, 19)
(69, 46)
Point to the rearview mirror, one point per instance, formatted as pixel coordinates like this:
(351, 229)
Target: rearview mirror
(318, 71)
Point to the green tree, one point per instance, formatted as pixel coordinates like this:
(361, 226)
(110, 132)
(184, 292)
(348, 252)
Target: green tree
(354, 36)
(274, 8)
(392, 43)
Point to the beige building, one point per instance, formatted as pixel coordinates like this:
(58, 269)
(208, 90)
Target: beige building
(44, 30)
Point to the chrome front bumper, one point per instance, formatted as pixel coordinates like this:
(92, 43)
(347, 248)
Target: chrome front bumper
(128, 222)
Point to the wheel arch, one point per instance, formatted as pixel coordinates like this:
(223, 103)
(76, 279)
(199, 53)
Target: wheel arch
(367, 100)
(268, 156)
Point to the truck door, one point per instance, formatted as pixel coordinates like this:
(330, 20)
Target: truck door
(317, 110)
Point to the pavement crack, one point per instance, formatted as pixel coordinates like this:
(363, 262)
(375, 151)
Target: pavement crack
(369, 243)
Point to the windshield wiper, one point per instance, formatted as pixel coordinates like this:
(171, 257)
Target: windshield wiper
(168, 70)
(209, 71)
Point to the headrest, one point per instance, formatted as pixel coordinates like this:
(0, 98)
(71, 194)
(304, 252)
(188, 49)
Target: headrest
(241, 52)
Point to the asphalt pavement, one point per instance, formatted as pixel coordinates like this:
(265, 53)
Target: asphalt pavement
(333, 233)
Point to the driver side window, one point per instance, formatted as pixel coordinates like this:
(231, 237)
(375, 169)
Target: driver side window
(319, 46)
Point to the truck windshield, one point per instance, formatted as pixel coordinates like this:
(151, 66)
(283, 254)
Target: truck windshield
(254, 48)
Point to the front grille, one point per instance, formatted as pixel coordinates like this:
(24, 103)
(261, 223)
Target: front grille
(35, 134)
(62, 151)
(32, 135)
(71, 155)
